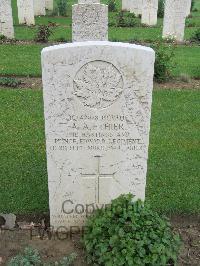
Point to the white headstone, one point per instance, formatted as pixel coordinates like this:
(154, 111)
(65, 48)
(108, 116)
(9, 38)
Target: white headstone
(49, 4)
(97, 102)
(174, 19)
(90, 21)
(136, 7)
(25, 12)
(6, 20)
(39, 7)
(126, 5)
(188, 7)
(149, 12)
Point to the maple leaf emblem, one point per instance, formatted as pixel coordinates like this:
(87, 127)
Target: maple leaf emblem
(98, 84)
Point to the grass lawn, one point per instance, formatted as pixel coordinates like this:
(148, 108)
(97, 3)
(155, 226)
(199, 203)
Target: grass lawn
(24, 60)
(20, 60)
(63, 28)
(173, 175)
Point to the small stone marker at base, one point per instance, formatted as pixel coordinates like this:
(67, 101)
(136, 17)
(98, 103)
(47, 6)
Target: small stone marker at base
(9, 220)
(149, 12)
(97, 104)
(90, 21)
(174, 19)
(6, 20)
(39, 7)
(25, 12)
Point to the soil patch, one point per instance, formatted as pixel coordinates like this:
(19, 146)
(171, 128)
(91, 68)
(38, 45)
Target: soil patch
(175, 84)
(34, 83)
(54, 247)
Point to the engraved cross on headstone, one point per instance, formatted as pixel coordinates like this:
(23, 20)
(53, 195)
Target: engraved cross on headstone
(97, 177)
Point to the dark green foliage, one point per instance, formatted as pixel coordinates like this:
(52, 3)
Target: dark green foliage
(126, 19)
(192, 5)
(196, 36)
(31, 257)
(120, 19)
(161, 8)
(164, 62)
(112, 6)
(2, 37)
(54, 12)
(43, 33)
(129, 233)
(190, 24)
(9, 82)
(62, 8)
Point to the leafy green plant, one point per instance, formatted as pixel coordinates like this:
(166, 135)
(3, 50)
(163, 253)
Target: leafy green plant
(67, 261)
(196, 36)
(9, 82)
(164, 62)
(161, 8)
(31, 257)
(62, 7)
(126, 19)
(130, 233)
(112, 6)
(2, 37)
(43, 33)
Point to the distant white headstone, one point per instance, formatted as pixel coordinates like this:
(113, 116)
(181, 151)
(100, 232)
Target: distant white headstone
(174, 19)
(136, 7)
(49, 4)
(25, 12)
(39, 7)
(90, 21)
(6, 20)
(188, 7)
(126, 5)
(149, 12)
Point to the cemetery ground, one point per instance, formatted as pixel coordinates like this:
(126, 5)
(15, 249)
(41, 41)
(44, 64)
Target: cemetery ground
(173, 168)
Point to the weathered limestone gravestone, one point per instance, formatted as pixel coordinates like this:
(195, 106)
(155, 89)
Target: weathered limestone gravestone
(6, 20)
(49, 4)
(174, 19)
(126, 5)
(149, 12)
(89, 21)
(39, 7)
(136, 7)
(25, 12)
(97, 105)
